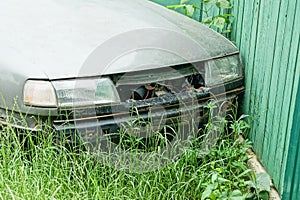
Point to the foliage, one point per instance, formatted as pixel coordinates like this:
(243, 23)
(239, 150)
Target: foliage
(220, 20)
(37, 167)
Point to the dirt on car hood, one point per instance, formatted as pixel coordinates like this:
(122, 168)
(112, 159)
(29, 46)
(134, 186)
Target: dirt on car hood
(57, 39)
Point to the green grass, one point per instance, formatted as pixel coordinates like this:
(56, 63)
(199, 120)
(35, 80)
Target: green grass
(45, 170)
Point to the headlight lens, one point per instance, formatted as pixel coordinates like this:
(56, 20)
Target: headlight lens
(39, 93)
(85, 92)
(223, 70)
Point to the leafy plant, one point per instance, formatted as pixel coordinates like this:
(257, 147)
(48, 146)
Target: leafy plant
(220, 20)
(239, 125)
(260, 183)
(46, 169)
(218, 189)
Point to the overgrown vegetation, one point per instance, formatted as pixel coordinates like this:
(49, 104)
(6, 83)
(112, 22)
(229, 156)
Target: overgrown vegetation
(214, 13)
(45, 170)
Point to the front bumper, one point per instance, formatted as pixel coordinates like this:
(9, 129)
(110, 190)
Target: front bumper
(103, 123)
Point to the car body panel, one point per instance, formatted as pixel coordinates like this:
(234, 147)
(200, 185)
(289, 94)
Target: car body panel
(55, 39)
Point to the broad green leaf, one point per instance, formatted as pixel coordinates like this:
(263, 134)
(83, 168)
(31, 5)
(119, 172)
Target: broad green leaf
(246, 172)
(250, 183)
(189, 10)
(175, 7)
(223, 4)
(236, 195)
(214, 178)
(250, 196)
(230, 15)
(263, 181)
(219, 22)
(207, 192)
(213, 196)
(263, 195)
(227, 21)
(184, 1)
(223, 180)
(208, 1)
(223, 195)
(237, 164)
(207, 20)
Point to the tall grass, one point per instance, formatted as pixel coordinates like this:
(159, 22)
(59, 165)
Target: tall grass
(35, 167)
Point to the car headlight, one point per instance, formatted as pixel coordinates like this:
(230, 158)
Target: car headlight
(221, 70)
(39, 93)
(85, 92)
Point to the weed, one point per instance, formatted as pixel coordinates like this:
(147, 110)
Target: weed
(221, 20)
(47, 170)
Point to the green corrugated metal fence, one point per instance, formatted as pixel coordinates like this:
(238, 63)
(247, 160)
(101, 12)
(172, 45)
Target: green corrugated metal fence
(267, 32)
(292, 177)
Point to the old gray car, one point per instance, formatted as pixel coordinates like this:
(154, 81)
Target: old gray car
(86, 68)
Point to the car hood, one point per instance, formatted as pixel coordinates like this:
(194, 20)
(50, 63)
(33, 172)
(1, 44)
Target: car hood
(57, 39)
